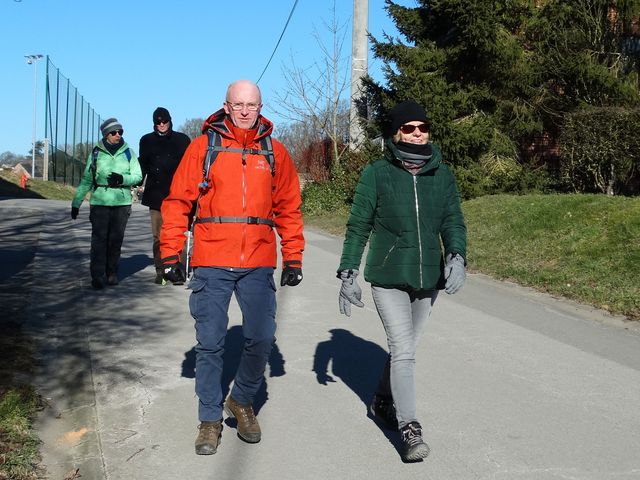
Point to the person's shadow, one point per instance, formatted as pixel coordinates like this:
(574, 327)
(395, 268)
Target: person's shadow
(358, 363)
(234, 343)
(130, 265)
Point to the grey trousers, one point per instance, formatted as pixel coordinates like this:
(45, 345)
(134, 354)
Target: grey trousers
(404, 315)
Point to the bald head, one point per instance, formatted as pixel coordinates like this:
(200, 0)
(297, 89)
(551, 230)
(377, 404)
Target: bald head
(243, 103)
(244, 87)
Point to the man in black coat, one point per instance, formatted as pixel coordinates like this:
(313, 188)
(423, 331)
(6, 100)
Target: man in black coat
(160, 155)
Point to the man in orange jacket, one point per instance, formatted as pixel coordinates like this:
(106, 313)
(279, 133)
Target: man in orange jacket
(241, 184)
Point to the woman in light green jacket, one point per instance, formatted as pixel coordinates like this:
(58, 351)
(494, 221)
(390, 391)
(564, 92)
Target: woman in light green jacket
(112, 169)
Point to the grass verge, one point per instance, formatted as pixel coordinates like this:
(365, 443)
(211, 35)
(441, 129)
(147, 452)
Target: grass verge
(582, 247)
(18, 444)
(10, 187)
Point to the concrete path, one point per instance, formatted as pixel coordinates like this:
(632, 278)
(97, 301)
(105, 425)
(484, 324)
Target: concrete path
(511, 384)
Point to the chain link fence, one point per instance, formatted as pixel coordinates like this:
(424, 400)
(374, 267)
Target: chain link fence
(72, 127)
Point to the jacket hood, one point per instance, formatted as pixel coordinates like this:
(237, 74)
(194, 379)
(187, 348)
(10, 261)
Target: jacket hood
(220, 122)
(390, 154)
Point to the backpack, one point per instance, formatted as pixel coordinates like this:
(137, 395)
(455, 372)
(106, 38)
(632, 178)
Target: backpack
(94, 164)
(214, 147)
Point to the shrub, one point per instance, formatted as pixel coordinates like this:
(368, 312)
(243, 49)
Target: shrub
(601, 151)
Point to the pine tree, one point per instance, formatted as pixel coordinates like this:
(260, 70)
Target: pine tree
(496, 75)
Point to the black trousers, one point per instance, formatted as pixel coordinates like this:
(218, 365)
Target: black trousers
(107, 233)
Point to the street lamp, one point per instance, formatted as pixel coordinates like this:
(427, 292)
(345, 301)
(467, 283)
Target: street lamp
(33, 59)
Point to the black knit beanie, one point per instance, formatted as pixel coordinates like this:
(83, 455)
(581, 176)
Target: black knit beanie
(161, 114)
(407, 111)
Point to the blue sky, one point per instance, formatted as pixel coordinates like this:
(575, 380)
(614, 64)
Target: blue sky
(127, 58)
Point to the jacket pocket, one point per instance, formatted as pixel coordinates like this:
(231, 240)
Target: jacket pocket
(393, 247)
(197, 304)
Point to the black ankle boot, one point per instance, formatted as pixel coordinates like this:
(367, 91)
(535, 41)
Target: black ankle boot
(382, 409)
(413, 447)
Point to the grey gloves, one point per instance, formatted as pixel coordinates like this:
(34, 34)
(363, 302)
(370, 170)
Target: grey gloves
(350, 292)
(454, 273)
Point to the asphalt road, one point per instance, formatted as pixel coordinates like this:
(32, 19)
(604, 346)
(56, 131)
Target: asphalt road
(511, 384)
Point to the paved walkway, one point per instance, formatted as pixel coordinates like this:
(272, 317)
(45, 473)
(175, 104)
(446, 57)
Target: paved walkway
(511, 384)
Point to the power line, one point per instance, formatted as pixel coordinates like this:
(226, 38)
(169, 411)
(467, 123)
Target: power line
(277, 44)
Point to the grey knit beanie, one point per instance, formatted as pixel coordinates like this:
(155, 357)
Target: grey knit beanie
(110, 125)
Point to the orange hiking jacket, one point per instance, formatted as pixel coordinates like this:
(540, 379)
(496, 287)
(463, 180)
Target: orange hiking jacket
(236, 188)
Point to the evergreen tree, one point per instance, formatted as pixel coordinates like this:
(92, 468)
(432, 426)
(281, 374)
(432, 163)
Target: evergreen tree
(497, 75)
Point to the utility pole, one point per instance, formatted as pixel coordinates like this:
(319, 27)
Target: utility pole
(32, 59)
(359, 68)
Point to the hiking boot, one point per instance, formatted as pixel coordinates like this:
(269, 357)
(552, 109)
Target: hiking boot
(97, 283)
(413, 447)
(382, 409)
(248, 428)
(159, 280)
(208, 437)
(112, 279)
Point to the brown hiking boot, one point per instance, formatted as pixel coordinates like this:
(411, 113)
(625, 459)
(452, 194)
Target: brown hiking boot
(208, 437)
(248, 428)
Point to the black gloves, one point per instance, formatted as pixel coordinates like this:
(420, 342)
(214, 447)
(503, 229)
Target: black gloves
(173, 273)
(291, 275)
(74, 212)
(115, 180)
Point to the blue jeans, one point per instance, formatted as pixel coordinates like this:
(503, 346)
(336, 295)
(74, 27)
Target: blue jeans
(404, 315)
(211, 290)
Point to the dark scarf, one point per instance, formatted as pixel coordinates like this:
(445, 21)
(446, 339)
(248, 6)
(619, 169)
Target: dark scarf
(111, 148)
(411, 153)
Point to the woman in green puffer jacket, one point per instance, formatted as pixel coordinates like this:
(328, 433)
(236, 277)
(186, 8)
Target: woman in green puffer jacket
(112, 169)
(406, 206)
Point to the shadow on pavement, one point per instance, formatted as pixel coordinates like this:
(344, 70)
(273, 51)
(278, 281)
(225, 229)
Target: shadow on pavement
(231, 358)
(358, 363)
(131, 265)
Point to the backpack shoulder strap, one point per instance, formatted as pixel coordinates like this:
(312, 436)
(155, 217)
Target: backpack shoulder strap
(127, 153)
(213, 148)
(94, 165)
(267, 150)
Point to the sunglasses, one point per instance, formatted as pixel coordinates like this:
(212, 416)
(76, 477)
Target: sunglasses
(119, 132)
(160, 122)
(423, 127)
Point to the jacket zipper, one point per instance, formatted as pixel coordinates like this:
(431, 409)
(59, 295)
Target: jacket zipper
(415, 196)
(244, 205)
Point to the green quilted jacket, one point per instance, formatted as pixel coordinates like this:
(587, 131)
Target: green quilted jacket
(407, 220)
(106, 163)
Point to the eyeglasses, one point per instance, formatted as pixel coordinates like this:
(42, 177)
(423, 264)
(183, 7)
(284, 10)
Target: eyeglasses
(423, 127)
(160, 122)
(119, 132)
(236, 107)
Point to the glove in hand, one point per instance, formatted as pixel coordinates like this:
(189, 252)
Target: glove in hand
(291, 276)
(114, 180)
(174, 274)
(74, 212)
(454, 273)
(350, 292)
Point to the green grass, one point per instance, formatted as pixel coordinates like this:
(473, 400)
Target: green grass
(10, 186)
(582, 247)
(18, 444)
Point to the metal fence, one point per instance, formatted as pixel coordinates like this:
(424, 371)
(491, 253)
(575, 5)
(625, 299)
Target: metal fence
(72, 127)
